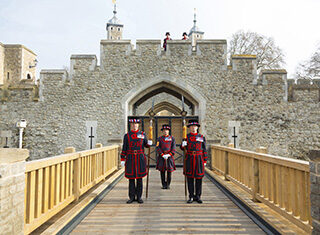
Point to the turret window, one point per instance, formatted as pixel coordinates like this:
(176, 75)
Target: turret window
(118, 29)
(28, 76)
(111, 28)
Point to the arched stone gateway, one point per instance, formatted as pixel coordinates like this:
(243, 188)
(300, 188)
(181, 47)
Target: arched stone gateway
(165, 106)
(173, 90)
(169, 85)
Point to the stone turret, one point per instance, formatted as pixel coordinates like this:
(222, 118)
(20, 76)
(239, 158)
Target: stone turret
(114, 26)
(195, 33)
(17, 65)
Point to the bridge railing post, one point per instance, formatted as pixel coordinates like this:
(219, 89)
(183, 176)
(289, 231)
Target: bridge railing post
(256, 183)
(314, 165)
(226, 165)
(76, 173)
(255, 188)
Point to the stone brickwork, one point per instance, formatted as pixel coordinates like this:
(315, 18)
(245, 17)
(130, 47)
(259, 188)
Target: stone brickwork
(315, 190)
(12, 186)
(2, 75)
(14, 65)
(107, 93)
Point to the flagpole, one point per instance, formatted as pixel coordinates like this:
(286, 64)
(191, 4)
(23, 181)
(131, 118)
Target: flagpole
(150, 137)
(184, 138)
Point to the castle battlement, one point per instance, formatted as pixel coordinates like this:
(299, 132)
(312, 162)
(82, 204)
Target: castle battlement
(208, 47)
(304, 90)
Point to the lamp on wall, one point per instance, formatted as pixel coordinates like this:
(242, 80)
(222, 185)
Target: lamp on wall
(35, 64)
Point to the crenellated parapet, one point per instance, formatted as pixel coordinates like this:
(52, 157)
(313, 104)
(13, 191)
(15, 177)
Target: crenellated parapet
(245, 63)
(305, 90)
(275, 81)
(179, 48)
(214, 49)
(82, 63)
(148, 48)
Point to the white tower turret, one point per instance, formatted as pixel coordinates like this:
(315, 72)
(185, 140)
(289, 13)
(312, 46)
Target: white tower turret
(195, 33)
(114, 26)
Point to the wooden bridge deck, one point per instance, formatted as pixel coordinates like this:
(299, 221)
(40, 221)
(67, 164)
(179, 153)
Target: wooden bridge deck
(166, 211)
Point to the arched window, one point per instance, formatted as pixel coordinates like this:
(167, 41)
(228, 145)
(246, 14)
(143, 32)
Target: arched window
(110, 37)
(118, 38)
(111, 28)
(28, 76)
(8, 76)
(118, 29)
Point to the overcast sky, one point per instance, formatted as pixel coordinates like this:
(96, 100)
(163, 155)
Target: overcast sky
(56, 29)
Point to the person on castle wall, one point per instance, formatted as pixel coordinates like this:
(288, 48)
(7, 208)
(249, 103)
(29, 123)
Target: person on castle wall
(134, 159)
(185, 36)
(195, 160)
(165, 40)
(166, 148)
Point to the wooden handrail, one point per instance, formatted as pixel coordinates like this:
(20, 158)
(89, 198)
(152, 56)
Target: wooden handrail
(53, 183)
(281, 183)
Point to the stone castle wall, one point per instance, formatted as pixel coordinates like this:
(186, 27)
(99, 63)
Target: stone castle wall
(221, 93)
(2, 75)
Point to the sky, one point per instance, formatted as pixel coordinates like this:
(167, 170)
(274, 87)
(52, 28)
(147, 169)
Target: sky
(56, 29)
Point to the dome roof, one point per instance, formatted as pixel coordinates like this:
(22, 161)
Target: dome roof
(114, 20)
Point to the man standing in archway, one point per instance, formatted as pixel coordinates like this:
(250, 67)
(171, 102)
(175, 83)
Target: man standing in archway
(166, 148)
(134, 160)
(195, 160)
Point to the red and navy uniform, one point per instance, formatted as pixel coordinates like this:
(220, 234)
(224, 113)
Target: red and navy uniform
(196, 155)
(166, 145)
(133, 154)
(165, 42)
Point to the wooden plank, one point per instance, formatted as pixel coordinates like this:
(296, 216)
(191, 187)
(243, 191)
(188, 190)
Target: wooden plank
(73, 212)
(255, 188)
(283, 225)
(32, 199)
(293, 219)
(267, 180)
(286, 189)
(167, 209)
(288, 162)
(63, 181)
(39, 192)
(77, 175)
(52, 186)
(37, 222)
(42, 163)
(26, 198)
(46, 190)
(226, 165)
(67, 181)
(71, 178)
(58, 184)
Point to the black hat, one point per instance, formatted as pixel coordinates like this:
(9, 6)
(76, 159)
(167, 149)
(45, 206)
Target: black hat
(184, 34)
(134, 120)
(193, 122)
(167, 33)
(165, 126)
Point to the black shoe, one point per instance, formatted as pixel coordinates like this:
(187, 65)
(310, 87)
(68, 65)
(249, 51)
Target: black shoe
(190, 200)
(130, 200)
(199, 201)
(140, 200)
(164, 187)
(168, 187)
